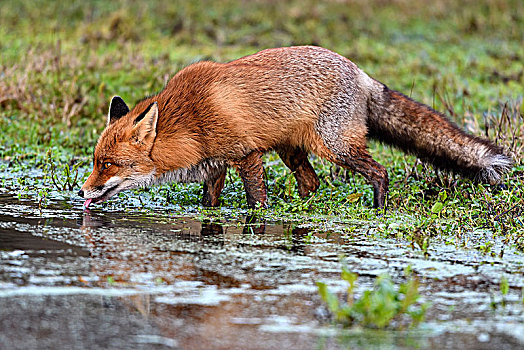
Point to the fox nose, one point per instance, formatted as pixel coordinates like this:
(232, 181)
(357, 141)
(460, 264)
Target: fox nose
(81, 193)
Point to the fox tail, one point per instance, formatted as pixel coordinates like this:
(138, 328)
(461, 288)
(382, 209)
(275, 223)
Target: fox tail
(415, 128)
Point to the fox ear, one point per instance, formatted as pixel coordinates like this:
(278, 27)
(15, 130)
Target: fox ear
(144, 131)
(117, 109)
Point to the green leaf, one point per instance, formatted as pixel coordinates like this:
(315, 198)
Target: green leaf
(329, 298)
(437, 207)
(353, 197)
(349, 277)
(504, 285)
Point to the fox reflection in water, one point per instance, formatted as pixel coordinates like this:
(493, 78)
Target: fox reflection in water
(194, 264)
(110, 229)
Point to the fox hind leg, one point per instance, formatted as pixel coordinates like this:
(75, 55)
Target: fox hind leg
(296, 160)
(358, 159)
(343, 132)
(374, 172)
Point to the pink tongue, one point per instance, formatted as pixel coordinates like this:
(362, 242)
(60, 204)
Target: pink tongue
(87, 202)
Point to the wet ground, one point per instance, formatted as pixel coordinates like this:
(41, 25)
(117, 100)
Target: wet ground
(106, 279)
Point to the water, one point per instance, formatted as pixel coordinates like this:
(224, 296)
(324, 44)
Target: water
(129, 280)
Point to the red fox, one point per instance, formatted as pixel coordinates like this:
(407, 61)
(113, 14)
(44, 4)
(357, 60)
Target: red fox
(295, 100)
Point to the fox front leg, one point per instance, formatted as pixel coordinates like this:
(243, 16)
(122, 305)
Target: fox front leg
(294, 158)
(212, 189)
(251, 172)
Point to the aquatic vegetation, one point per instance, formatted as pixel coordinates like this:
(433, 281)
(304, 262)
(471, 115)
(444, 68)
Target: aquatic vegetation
(382, 307)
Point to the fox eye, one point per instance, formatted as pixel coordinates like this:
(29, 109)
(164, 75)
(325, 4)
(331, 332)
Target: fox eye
(106, 165)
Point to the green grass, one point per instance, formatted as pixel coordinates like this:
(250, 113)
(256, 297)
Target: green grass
(61, 63)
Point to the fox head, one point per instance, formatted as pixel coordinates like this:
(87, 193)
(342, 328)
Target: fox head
(121, 159)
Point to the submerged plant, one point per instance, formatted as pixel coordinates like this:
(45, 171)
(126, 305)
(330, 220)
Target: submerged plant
(64, 177)
(379, 307)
